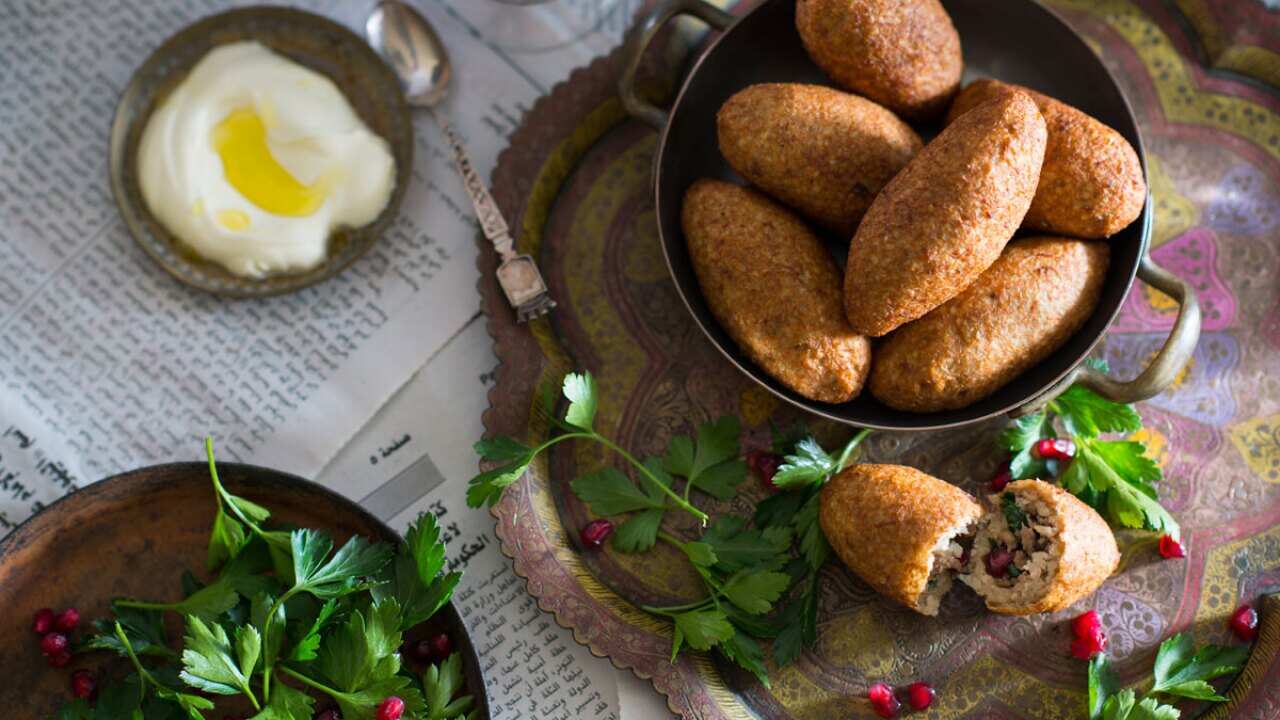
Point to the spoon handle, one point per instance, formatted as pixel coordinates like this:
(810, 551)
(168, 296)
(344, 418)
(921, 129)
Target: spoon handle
(487, 213)
(518, 275)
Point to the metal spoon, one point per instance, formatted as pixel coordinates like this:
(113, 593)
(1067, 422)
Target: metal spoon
(410, 45)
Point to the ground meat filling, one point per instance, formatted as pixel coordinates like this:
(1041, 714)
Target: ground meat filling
(949, 557)
(1015, 553)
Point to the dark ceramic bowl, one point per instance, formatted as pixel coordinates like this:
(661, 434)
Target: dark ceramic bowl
(133, 535)
(1017, 41)
(310, 40)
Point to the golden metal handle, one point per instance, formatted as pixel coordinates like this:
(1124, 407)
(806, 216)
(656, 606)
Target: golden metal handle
(1166, 365)
(639, 42)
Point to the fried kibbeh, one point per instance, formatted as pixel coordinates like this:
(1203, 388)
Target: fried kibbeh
(775, 289)
(823, 152)
(1036, 548)
(1061, 548)
(898, 529)
(1023, 308)
(903, 54)
(1091, 183)
(945, 218)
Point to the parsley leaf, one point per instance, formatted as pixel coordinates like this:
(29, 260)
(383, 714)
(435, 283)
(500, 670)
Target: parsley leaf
(486, 488)
(809, 464)
(1102, 684)
(361, 661)
(1149, 709)
(305, 647)
(211, 664)
(1180, 670)
(1087, 414)
(700, 629)
(609, 492)
(721, 481)
(700, 553)
(502, 448)
(240, 576)
(737, 548)
(756, 592)
(1183, 671)
(813, 542)
(190, 704)
(441, 686)
(414, 578)
(710, 464)
(581, 392)
(638, 532)
(1020, 440)
(273, 632)
(287, 704)
(747, 653)
(778, 509)
(340, 574)
(143, 627)
(1118, 706)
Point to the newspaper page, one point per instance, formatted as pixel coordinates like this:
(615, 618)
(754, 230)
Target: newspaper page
(397, 467)
(107, 363)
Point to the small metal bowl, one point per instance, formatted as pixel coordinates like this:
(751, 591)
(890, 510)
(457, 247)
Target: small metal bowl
(310, 40)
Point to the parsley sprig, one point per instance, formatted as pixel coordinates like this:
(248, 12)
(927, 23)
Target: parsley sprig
(759, 573)
(580, 390)
(1115, 476)
(1181, 671)
(287, 616)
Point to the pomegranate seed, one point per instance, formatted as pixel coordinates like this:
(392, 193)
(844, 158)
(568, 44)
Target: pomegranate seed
(880, 693)
(1087, 624)
(391, 708)
(920, 695)
(67, 620)
(1085, 647)
(1244, 622)
(766, 465)
(887, 709)
(42, 623)
(1170, 548)
(83, 685)
(329, 714)
(596, 532)
(1002, 478)
(419, 651)
(1061, 449)
(441, 647)
(60, 659)
(998, 562)
(883, 701)
(53, 643)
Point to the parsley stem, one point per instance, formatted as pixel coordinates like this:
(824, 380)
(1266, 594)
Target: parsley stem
(137, 664)
(644, 471)
(849, 447)
(267, 658)
(308, 681)
(221, 492)
(143, 605)
(676, 609)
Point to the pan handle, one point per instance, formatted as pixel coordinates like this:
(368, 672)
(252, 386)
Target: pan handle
(1166, 365)
(639, 42)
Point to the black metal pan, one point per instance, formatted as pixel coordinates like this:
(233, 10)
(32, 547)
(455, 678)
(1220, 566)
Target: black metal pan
(1016, 41)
